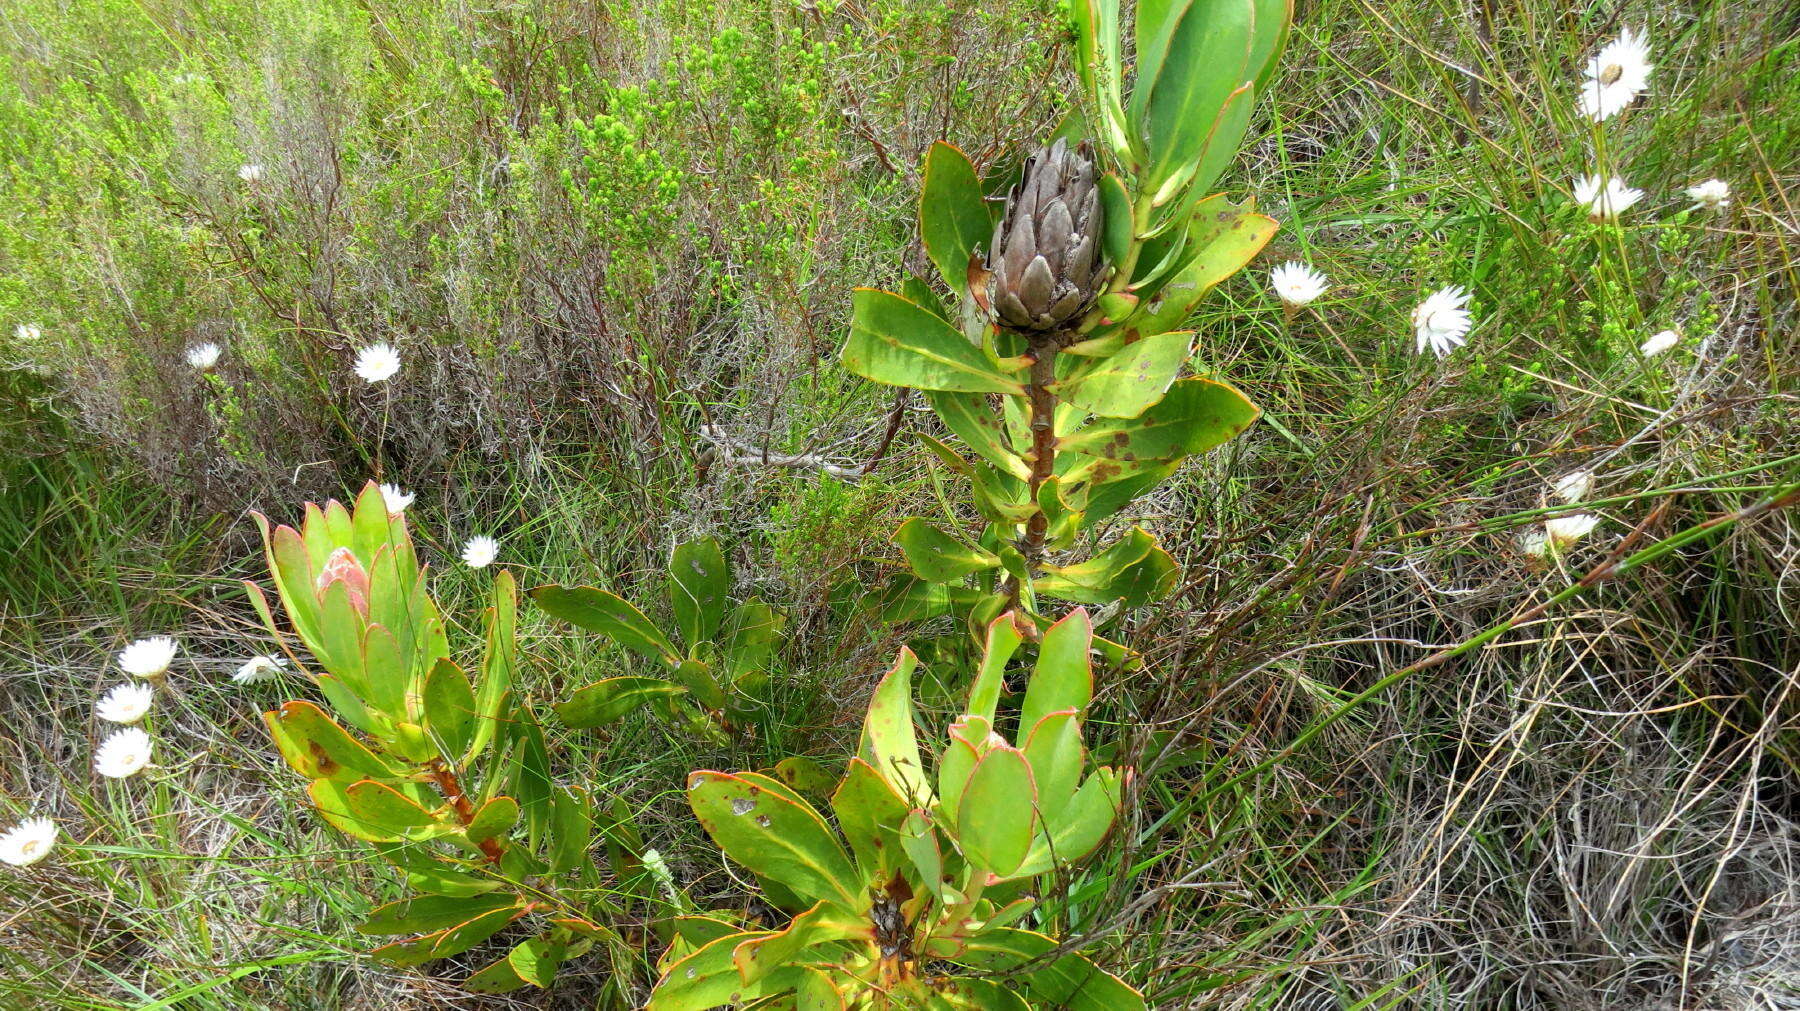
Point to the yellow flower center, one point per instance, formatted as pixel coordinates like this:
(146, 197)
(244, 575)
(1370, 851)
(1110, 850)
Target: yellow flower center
(1612, 73)
(32, 848)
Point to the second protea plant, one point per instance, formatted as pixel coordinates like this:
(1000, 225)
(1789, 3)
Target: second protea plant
(1069, 299)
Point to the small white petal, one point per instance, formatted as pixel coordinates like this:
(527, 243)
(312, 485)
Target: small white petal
(146, 658)
(27, 333)
(480, 552)
(1574, 486)
(28, 842)
(1605, 198)
(123, 754)
(258, 669)
(203, 356)
(1441, 322)
(1713, 194)
(1659, 343)
(377, 363)
(250, 173)
(395, 499)
(1297, 284)
(1566, 530)
(126, 703)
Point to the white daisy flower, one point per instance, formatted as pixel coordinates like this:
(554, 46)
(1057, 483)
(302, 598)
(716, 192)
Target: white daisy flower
(480, 552)
(1573, 486)
(147, 658)
(377, 363)
(126, 703)
(1713, 194)
(1566, 530)
(123, 754)
(203, 356)
(1616, 76)
(250, 173)
(395, 499)
(1659, 343)
(27, 333)
(1296, 283)
(1442, 321)
(1605, 199)
(258, 669)
(28, 842)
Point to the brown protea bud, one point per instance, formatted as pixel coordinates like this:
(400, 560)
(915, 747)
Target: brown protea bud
(1045, 261)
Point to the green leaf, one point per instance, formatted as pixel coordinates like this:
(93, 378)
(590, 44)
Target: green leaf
(869, 812)
(610, 699)
(424, 914)
(699, 583)
(889, 743)
(1066, 981)
(953, 214)
(938, 557)
(1217, 150)
(497, 976)
(967, 415)
(968, 742)
(805, 775)
(449, 705)
(318, 748)
(464, 936)
(1193, 417)
(332, 799)
(706, 978)
(775, 836)
(1128, 383)
(499, 661)
(1116, 218)
(997, 817)
(1003, 639)
(536, 960)
(1056, 754)
(609, 614)
(428, 874)
(895, 342)
(1223, 238)
(385, 808)
(495, 819)
(1184, 83)
(572, 828)
(1063, 678)
(1133, 570)
(752, 634)
(920, 842)
(757, 958)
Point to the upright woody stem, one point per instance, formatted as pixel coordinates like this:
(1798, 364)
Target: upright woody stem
(1042, 421)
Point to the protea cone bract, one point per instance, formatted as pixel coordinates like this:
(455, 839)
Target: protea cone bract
(1045, 259)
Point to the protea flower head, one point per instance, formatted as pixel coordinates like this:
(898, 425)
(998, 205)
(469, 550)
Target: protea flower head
(1045, 261)
(344, 567)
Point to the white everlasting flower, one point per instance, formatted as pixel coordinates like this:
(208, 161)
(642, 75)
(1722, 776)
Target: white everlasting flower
(1659, 343)
(1573, 486)
(1442, 321)
(147, 658)
(480, 552)
(377, 363)
(28, 842)
(1566, 530)
(1713, 194)
(203, 356)
(1616, 76)
(1535, 542)
(126, 703)
(1605, 199)
(123, 754)
(250, 173)
(1296, 283)
(395, 499)
(27, 333)
(258, 669)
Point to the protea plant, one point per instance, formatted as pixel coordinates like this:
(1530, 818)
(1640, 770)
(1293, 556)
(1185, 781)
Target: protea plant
(1071, 307)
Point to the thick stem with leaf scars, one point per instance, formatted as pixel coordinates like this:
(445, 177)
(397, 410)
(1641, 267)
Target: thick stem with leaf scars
(448, 785)
(1040, 405)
